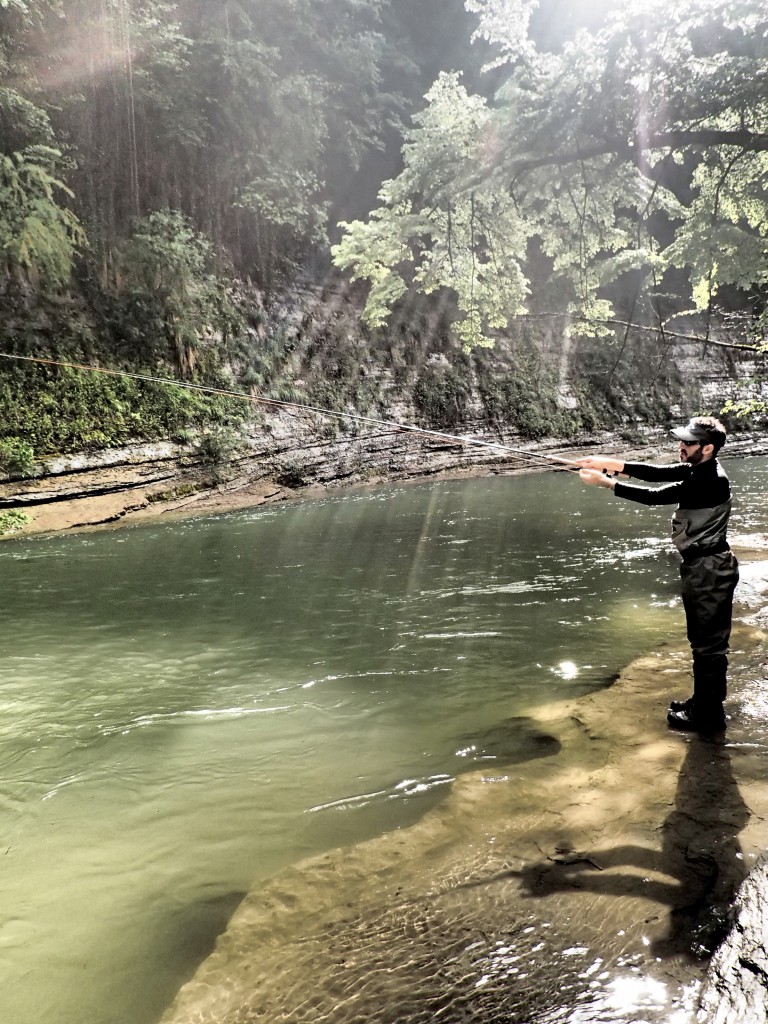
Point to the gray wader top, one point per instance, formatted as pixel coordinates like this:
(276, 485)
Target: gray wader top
(709, 571)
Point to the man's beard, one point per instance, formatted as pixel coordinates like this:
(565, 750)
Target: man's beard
(694, 458)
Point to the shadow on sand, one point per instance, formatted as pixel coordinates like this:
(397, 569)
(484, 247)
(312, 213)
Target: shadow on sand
(695, 872)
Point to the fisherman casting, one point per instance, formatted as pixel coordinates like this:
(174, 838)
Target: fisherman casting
(709, 571)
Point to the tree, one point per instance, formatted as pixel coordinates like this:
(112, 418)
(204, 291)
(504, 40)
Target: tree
(171, 300)
(252, 117)
(39, 236)
(247, 115)
(641, 146)
(291, 100)
(113, 76)
(39, 233)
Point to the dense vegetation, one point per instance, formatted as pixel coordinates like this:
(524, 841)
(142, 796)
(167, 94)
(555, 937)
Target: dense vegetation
(170, 171)
(639, 150)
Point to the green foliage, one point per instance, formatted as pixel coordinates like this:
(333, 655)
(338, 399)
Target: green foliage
(442, 394)
(312, 74)
(38, 235)
(724, 239)
(292, 475)
(618, 385)
(265, 361)
(253, 118)
(22, 122)
(69, 411)
(168, 300)
(13, 519)
(437, 230)
(336, 368)
(250, 117)
(743, 413)
(218, 446)
(165, 255)
(17, 457)
(525, 399)
(639, 148)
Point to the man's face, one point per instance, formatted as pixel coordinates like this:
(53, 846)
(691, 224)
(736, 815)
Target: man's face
(691, 452)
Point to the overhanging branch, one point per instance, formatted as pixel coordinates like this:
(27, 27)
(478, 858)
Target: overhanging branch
(631, 150)
(628, 325)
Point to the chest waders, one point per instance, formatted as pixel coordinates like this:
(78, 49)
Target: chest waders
(709, 574)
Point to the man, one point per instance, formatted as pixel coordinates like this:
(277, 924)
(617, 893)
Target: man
(709, 571)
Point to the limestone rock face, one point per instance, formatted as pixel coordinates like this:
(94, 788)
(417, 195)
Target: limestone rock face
(284, 456)
(736, 986)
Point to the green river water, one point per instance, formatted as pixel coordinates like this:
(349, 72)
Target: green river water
(189, 707)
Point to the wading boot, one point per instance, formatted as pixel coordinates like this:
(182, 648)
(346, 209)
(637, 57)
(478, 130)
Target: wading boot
(692, 720)
(681, 705)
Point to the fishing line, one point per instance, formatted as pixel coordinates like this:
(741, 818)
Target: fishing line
(298, 406)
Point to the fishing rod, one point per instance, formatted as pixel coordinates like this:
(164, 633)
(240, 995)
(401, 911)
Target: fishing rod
(568, 464)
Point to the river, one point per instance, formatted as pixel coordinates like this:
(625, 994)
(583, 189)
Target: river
(187, 708)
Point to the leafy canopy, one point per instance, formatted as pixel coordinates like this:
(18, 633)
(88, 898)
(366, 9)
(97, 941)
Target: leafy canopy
(641, 146)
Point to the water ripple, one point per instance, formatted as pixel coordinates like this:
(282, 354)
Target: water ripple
(201, 715)
(406, 788)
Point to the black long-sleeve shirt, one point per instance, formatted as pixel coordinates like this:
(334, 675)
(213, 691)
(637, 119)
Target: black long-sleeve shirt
(702, 494)
(689, 486)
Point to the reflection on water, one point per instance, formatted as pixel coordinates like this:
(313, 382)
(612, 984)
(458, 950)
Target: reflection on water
(186, 709)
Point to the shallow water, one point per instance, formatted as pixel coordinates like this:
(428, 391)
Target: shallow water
(188, 708)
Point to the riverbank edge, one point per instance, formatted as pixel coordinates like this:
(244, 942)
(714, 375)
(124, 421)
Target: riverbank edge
(162, 482)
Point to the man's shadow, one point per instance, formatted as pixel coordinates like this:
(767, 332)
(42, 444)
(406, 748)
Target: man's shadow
(700, 854)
